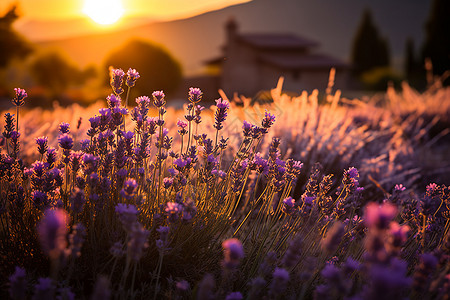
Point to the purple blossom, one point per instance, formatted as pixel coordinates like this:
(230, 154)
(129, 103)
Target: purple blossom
(233, 252)
(132, 76)
(143, 101)
(21, 94)
(64, 127)
(129, 188)
(76, 239)
(44, 289)
(399, 187)
(40, 200)
(167, 181)
(158, 99)
(65, 141)
(52, 230)
(116, 80)
(42, 143)
(279, 282)
(18, 284)
(127, 215)
(173, 211)
(182, 285)
(195, 95)
(267, 121)
(221, 113)
(77, 200)
(379, 216)
(288, 206)
(113, 100)
(137, 242)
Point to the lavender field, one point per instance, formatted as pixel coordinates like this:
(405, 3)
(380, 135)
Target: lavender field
(308, 197)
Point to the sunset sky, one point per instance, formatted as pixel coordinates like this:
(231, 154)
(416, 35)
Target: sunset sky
(163, 9)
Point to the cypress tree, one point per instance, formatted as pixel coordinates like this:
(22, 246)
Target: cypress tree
(437, 40)
(369, 49)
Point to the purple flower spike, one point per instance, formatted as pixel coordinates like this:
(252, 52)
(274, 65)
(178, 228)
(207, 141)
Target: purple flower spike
(247, 128)
(18, 284)
(268, 121)
(64, 127)
(65, 141)
(233, 252)
(221, 113)
(20, 95)
(234, 296)
(129, 188)
(52, 231)
(195, 95)
(116, 80)
(42, 143)
(379, 216)
(132, 76)
(288, 206)
(158, 99)
(113, 101)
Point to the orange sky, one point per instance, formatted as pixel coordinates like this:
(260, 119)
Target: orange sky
(164, 9)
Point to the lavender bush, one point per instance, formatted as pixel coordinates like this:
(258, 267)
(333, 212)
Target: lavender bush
(148, 202)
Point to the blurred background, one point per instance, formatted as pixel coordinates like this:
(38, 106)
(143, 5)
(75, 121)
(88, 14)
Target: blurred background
(61, 50)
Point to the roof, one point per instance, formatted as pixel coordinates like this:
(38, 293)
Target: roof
(277, 41)
(301, 61)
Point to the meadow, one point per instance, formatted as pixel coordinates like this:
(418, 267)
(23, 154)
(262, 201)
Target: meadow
(305, 197)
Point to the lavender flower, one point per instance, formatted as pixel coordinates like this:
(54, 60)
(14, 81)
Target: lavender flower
(129, 188)
(158, 99)
(182, 127)
(292, 255)
(221, 113)
(77, 200)
(233, 252)
(101, 290)
(65, 141)
(44, 289)
(247, 128)
(42, 143)
(379, 216)
(173, 211)
(279, 282)
(137, 242)
(116, 80)
(52, 230)
(268, 121)
(132, 76)
(9, 125)
(18, 99)
(206, 287)
(127, 215)
(18, 284)
(424, 271)
(64, 127)
(113, 101)
(288, 206)
(195, 95)
(76, 239)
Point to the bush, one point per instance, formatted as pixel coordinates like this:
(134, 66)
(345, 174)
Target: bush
(379, 79)
(160, 70)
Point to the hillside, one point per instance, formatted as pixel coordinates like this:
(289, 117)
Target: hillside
(198, 38)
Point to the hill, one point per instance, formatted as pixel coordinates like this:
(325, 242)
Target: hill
(195, 39)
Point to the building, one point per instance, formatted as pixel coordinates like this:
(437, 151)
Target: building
(252, 62)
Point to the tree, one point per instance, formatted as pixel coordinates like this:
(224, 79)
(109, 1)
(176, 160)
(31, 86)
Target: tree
(412, 67)
(369, 49)
(158, 69)
(55, 73)
(12, 45)
(437, 39)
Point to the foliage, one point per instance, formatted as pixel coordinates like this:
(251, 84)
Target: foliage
(378, 79)
(56, 73)
(369, 49)
(219, 217)
(161, 70)
(12, 45)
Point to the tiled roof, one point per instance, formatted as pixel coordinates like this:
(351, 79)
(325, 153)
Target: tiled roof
(293, 61)
(277, 41)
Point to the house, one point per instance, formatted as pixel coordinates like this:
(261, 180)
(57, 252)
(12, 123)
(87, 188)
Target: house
(252, 62)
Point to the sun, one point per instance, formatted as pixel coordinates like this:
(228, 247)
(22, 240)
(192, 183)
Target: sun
(104, 12)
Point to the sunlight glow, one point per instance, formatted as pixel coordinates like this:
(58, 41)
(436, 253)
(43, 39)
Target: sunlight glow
(104, 12)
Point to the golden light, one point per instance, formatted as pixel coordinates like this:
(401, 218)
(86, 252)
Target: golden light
(104, 12)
